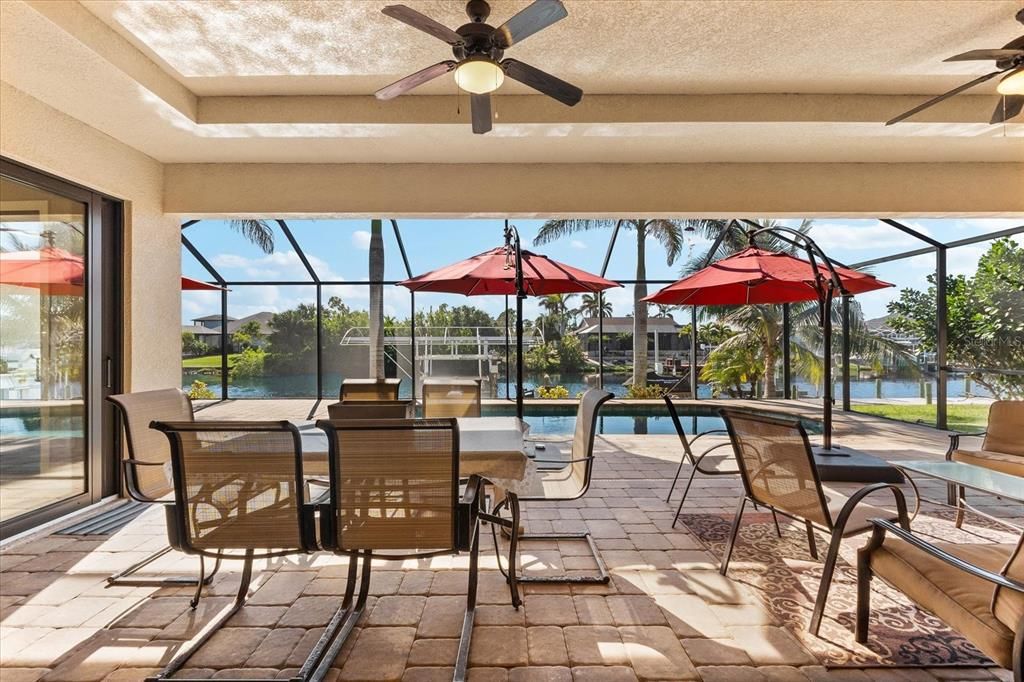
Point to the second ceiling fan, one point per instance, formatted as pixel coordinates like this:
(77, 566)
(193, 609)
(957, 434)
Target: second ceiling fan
(479, 49)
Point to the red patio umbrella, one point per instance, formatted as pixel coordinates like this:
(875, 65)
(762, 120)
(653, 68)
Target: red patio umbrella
(189, 284)
(493, 273)
(755, 276)
(758, 276)
(510, 271)
(50, 269)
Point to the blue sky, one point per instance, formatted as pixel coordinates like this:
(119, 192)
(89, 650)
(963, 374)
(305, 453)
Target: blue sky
(338, 249)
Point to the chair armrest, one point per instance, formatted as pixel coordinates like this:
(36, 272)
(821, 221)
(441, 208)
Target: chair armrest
(954, 561)
(133, 491)
(858, 497)
(561, 461)
(472, 490)
(954, 440)
(705, 433)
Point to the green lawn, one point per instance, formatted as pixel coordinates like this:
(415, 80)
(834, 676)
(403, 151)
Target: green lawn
(959, 417)
(212, 361)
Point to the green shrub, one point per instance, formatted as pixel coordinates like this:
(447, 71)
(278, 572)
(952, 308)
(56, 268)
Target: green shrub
(199, 391)
(552, 392)
(644, 392)
(249, 363)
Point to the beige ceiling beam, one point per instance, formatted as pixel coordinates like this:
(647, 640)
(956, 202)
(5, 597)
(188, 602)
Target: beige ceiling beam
(610, 190)
(431, 109)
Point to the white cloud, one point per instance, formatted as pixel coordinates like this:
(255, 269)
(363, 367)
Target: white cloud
(577, 244)
(876, 236)
(361, 240)
(277, 265)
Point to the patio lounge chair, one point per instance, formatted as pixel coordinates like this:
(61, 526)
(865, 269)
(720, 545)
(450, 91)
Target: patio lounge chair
(978, 590)
(369, 389)
(568, 483)
(239, 494)
(147, 475)
(394, 494)
(778, 472)
(370, 409)
(444, 398)
(1002, 450)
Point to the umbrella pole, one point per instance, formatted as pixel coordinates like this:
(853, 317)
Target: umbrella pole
(519, 355)
(826, 312)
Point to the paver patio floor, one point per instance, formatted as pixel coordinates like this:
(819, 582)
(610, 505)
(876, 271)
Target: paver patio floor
(666, 615)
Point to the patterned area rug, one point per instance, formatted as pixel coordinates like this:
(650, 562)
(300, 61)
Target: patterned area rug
(783, 574)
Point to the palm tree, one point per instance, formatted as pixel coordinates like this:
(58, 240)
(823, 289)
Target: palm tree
(557, 307)
(670, 233)
(593, 305)
(376, 300)
(256, 231)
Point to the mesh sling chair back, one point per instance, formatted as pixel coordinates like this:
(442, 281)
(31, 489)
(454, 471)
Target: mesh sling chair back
(369, 389)
(394, 493)
(147, 469)
(370, 409)
(239, 494)
(778, 472)
(976, 589)
(443, 398)
(716, 460)
(1002, 449)
(569, 483)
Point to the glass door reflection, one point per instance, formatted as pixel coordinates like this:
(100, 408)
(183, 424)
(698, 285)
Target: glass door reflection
(43, 447)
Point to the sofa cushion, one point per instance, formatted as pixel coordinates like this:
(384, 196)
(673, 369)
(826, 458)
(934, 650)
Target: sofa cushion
(961, 601)
(997, 461)
(1005, 432)
(1008, 604)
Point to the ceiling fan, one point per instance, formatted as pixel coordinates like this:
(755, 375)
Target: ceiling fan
(1009, 60)
(478, 49)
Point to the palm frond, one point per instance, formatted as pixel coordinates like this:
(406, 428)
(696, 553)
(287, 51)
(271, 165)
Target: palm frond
(256, 231)
(670, 233)
(556, 229)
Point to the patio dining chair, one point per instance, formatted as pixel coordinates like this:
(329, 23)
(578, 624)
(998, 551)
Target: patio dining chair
(370, 409)
(778, 472)
(369, 389)
(147, 474)
(394, 494)
(718, 464)
(239, 494)
(976, 589)
(1002, 450)
(568, 483)
(444, 398)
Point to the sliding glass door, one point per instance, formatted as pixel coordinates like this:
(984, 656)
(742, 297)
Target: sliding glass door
(51, 348)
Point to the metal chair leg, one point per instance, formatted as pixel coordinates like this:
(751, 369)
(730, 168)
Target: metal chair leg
(348, 621)
(204, 635)
(863, 595)
(123, 579)
(733, 532)
(686, 491)
(601, 579)
(827, 572)
(199, 584)
(811, 544)
(775, 520)
(462, 658)
(675, 479)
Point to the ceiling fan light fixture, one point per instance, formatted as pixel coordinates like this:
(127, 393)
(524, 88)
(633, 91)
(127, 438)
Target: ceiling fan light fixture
(479, 76)
(1012, 84)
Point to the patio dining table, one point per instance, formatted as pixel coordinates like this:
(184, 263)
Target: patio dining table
(491, 447)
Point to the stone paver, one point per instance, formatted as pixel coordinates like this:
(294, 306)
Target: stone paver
(379, 654)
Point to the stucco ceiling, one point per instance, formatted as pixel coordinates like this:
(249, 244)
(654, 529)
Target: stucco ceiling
(226, 47)
(219, 81)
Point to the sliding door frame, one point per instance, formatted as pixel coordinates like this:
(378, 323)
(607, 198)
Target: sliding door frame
(103, 333)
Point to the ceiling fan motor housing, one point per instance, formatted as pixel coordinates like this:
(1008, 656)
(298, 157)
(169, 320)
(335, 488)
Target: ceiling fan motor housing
(478, 41)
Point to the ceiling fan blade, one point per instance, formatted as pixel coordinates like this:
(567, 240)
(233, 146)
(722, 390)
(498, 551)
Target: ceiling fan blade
(408, 15)
(536, 17)
(566, 93)
(414, 80)
(1008, 107)
(984, 55)
(946, 95)
(480, 105)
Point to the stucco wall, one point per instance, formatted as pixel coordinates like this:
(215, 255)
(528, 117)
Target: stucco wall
(44, 138)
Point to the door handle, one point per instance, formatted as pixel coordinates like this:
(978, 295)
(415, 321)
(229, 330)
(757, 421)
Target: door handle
(108, 372)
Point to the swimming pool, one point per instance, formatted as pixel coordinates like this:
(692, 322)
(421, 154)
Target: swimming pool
(621, 418)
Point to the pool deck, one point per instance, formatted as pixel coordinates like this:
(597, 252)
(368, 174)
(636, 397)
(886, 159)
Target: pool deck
(666, 615)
